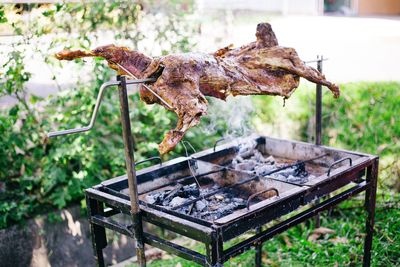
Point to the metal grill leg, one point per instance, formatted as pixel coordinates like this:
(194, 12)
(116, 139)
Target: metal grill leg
(214, 251)
(98, 233)
(370, 201)
(258, 258)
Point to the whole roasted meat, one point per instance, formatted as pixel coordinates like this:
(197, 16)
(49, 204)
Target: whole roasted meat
(183, 80)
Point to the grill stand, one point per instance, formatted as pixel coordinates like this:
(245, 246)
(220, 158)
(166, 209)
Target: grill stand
(96, 206)
(214, 239)
(213, 236)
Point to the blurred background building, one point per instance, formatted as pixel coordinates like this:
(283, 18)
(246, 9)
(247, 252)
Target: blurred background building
(310, 7)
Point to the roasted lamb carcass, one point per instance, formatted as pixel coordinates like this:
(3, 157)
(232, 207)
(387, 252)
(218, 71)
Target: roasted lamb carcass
(183, 80)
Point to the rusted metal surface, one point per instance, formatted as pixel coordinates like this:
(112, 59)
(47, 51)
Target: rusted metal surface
(98, 233)
(318, 106)
(337, 162)
(370, 203)
(260, 193)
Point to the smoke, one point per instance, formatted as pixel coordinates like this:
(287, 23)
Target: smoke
(229, 119)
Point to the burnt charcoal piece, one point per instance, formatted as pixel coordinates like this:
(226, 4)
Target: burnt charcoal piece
(155, 198)
(261, 67)
(239, 203)
(224, 209)
(300, 170)
(248, 165)
(251, 160)
(165, 198)
(169, 195)
(214, 207)
(189, 191)
(297, 179)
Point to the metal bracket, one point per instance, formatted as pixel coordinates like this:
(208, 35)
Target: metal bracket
(337, 162)
(316, 60)
(216, 142)
(149, 159)
(147, 87)
(261, 192)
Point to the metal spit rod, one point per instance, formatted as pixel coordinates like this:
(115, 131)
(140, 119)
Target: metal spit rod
(103, 87)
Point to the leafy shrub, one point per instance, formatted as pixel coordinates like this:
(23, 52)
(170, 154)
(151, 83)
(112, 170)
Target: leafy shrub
(37, 174)
(365, 119)
(40, 174)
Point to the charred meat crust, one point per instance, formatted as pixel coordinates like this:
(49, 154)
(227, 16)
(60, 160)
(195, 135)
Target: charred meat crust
(183, 80)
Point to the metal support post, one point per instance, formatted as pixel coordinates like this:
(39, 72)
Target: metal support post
(370, 202)
(318, 121)
(215, 250)
(130, 169)
(258, 257)
(318, 106)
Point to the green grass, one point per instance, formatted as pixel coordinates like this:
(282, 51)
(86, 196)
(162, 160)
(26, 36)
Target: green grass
(364, 118)
(293, 249)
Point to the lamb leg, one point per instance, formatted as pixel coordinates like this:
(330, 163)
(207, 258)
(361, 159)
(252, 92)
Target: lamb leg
(133, 61)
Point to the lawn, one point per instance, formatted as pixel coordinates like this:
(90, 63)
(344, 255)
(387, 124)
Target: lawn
(341, 247)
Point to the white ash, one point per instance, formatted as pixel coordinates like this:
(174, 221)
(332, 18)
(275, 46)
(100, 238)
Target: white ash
(251, 160)
(201, 205)
(177, 201)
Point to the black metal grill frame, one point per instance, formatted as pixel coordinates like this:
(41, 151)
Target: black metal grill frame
(362, 174)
